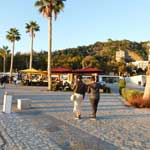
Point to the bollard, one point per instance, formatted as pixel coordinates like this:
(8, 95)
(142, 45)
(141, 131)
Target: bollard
(7, 101)
(24, 103)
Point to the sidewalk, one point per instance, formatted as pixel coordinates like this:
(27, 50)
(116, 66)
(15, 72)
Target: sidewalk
(50, 125)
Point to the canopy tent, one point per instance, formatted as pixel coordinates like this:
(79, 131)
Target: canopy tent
(59, 70)
(31, 71)
(88, 70)
(3, 53)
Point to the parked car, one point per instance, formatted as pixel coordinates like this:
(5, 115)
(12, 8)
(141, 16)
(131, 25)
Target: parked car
(102, 83)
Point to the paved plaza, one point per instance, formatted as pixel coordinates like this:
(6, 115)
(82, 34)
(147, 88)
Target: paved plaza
(50, 125)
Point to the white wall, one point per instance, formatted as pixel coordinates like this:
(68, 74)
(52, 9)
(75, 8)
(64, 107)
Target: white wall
(136, 79)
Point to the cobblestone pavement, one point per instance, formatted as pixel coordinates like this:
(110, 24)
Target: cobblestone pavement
(50, 125)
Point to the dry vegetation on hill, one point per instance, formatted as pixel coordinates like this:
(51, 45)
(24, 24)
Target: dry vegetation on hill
(134, 56)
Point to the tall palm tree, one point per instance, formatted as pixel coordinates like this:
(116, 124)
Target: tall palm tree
(146, 95)
(3, 52)
(31, 28)
(12, 36)
(48, 8)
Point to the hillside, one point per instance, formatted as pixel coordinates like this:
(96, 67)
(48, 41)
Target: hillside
(134, 56)
(136, 51)
(101, 55)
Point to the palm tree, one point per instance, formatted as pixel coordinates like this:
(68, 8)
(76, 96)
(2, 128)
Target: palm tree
(48, 8)
(146, 95)
(3, 52)
(31, 28)
(12, 36)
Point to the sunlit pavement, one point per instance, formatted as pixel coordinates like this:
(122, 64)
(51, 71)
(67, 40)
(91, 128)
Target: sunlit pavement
(50, 124)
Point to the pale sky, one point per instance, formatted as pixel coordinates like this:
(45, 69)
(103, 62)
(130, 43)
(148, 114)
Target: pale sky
(82, 22)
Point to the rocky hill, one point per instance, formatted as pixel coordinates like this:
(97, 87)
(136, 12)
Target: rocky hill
(134, 56)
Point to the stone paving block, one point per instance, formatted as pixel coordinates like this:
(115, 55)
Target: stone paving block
(23, 103)
(1, 142)
(50, 124)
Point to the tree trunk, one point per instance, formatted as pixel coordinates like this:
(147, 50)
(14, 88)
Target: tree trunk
(149, 54)
(4, 64)
(49, 52)
(31, 51)
(146, 95)
(12, 60)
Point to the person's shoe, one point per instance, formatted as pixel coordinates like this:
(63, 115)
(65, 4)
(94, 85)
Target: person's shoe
(79, 117)
(93, 118)
(76, 118)
(92, 115)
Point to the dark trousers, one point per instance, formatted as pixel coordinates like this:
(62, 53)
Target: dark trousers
(94, 104)
(120, 91)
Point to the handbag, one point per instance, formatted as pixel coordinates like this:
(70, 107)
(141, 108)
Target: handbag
(73, 97)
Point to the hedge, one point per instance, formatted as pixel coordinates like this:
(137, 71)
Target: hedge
(135, 98)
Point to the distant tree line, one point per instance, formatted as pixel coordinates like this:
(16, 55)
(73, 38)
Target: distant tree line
(101, 55)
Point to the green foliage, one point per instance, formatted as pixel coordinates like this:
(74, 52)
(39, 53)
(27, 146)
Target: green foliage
(49, 8)
(101, 55)
(135, 98)
(130, 94)
(32, 27)
(1, 63)
(13, 35)
(90, 61)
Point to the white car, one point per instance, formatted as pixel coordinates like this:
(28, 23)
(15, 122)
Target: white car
(102, 83)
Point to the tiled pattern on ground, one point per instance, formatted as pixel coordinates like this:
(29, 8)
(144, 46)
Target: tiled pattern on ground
(50, 125)
(22, 135)
(127, 128)
(35, 130)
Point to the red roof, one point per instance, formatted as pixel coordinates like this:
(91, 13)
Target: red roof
(77, 71)
(88, 70)
(61, 70)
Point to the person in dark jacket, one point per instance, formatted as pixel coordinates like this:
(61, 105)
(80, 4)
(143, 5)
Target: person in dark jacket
(79, 90)
(93, 89)
(3, 80)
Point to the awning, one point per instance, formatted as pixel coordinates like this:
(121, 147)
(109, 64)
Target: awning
(30, 71)
(88, 70)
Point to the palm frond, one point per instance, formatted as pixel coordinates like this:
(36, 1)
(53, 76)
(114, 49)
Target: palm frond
(32, 26)
(13, 35)
(49, 7)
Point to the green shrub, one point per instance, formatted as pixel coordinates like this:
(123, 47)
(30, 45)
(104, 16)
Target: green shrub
(135, 98)
(140, 103)
(129, 94)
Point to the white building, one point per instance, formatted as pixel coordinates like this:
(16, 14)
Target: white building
(120, 55)
(140, 64)
(137, 79)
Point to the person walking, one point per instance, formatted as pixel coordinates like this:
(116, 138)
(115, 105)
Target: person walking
(121, 85)
(3, 80)
(93, 89)
(79, 90)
